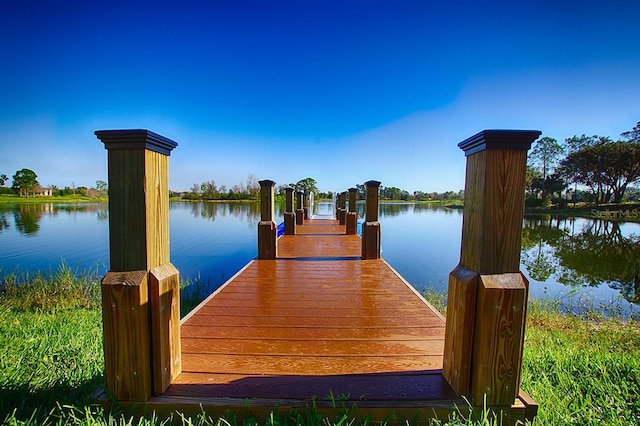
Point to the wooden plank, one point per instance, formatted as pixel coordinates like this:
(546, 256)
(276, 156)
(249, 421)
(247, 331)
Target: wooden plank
(320, 227)
(315, 322)
(164, 289)
(310, 365)
(290, 246)
(223, 331)
(461, 316)
(316, 347)
(498, 340)
(127, 356)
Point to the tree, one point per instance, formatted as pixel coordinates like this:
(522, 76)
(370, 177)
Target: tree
(102, 187)
(605, 166)
(307, 185)
(24, 180)
(3, 179)
(545, 155)
(632, 135)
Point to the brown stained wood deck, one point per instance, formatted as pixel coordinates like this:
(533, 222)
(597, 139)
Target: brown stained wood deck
(315, 322)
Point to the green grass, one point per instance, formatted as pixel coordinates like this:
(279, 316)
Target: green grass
(580, 369)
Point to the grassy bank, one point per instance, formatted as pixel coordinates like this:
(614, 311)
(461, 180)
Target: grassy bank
(581, 370)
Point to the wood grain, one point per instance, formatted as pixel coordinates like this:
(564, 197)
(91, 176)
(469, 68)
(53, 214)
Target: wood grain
(498, 338)
(461, 316)
(164, 289)
(127, 351)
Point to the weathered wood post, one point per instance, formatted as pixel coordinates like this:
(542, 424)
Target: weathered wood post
(342, 210)
(371, 226)
(141, 291)
(487, 293)
(267, 228)
(352, 215)
(299, 208)
(306, 203)
(289, 215)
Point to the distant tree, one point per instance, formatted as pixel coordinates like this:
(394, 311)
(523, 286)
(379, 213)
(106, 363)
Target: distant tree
(102, 188)
(307, 185)
(24, 180)
(632, 135)
(253, 187)
(545, 155)
(555, 184)
(531, 181)
(3, 179)
(605, 166)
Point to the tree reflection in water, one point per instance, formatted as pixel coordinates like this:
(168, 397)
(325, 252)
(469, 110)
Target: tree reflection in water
(582, 253)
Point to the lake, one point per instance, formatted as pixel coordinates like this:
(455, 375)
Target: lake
(579, 261)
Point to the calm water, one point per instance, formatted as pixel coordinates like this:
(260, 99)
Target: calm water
(574, 260)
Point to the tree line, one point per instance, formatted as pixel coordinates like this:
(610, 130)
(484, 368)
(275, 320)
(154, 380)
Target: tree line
(584, 168)
(25, 184)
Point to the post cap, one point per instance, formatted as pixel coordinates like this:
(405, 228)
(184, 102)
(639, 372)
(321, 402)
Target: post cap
(266, 182)
(499, 139)
(135, 139)
(373, 183)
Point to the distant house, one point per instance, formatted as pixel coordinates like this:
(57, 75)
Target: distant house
(39, 191)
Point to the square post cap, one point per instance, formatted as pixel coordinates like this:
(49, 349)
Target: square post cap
(499, 139)
(136, 139)
(266, 183)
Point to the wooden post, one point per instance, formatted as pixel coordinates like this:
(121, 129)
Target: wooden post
(299, 208)
(371, 226)
(141, 291)
(487, 293)
(289, 215)
(267, 228)
(342, 211)
(352, 215)
(307, 213)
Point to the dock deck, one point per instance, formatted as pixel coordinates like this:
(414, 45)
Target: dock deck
(318, 322)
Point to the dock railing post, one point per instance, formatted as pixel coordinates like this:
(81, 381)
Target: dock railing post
(141, 291)
(487, 293)
(299, 208)
(306, 204)
(289, 215)
(342, 211)
(352, 215)
(371, 226)
(267, 228)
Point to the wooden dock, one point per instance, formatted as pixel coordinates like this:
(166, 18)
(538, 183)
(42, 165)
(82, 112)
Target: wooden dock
(319, 319)
(317, 322)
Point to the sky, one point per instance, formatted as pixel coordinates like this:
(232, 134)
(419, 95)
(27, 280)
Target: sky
(341, 91)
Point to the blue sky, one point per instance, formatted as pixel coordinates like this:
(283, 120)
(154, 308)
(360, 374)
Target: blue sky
(341, 91)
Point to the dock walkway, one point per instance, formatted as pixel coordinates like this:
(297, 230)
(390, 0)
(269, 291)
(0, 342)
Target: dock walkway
(318, 321)
(319, 317)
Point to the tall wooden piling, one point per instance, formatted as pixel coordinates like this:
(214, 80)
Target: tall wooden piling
(371, 226)
(352, 214)
(342, 208)
(299, 208)
(289, 214)
(141, 292)
(267, 228)
(487, 293)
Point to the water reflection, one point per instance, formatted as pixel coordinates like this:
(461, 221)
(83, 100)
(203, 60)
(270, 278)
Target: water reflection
(583, 253)
(27, 216)
(248, 212)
